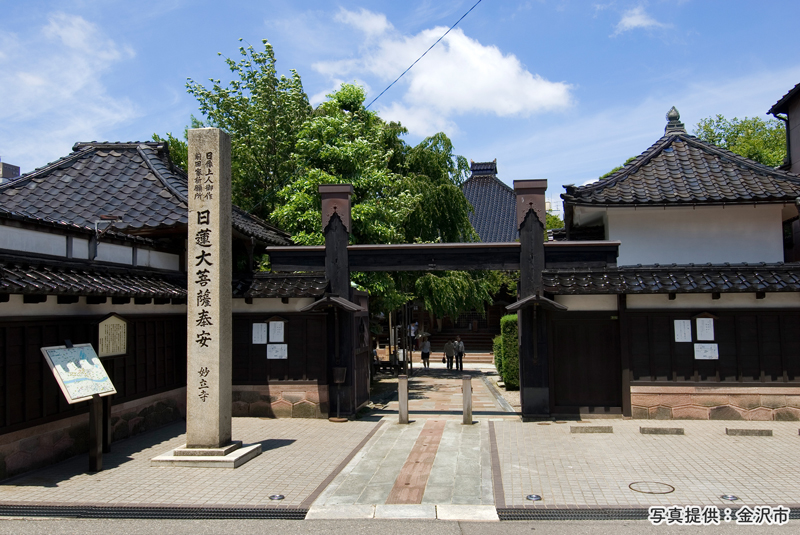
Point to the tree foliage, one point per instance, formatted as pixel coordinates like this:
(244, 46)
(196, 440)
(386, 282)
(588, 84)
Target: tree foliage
(751, 137)
(263, 114)
(402, 194)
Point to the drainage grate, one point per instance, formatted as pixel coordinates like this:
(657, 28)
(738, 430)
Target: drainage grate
(183, 513)
(572, 514)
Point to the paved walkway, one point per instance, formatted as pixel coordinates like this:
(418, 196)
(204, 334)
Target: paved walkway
(572, 470)
(297, 459)
(436, 392)
(435, 467)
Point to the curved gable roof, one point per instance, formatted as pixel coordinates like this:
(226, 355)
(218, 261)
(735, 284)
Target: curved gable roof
(135, 181)
(682, 169)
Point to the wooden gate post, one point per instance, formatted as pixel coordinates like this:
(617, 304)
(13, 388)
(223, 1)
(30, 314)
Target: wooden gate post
(336, 227)
(534, 379)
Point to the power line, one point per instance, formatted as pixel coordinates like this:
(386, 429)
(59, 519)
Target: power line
(423, 54)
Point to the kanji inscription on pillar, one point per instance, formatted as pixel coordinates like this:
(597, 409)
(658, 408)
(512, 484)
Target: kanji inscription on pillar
(208, 385)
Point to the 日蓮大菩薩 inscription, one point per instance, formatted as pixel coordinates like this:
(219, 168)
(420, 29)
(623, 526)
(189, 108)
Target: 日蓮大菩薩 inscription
(209, 290)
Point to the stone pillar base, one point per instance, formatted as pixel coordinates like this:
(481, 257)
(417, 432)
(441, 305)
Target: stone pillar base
(209, 458)
(183, 451)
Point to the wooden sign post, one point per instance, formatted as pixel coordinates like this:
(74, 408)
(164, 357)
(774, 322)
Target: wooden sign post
(81, 376)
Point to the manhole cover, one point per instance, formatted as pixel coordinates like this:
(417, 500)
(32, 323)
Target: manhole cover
(651, 487)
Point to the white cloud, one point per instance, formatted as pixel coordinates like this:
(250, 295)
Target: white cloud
(636, 18)
(458, 76)
(53, 93)
(368, 22)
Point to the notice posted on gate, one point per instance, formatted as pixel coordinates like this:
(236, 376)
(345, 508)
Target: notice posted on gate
(78, 371)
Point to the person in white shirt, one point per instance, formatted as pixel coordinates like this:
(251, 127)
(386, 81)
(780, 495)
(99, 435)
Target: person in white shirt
(459, 353)
(426, 353)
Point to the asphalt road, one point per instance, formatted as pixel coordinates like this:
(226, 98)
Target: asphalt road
(357, 527)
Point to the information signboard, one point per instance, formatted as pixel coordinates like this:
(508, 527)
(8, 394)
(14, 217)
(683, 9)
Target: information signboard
(78, 371)
(706, 352)
(277, 351)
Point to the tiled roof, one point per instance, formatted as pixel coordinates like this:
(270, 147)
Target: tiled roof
(494, 218)
(133, 180)
(675, 279)
(271, 285)
(782, 105)
(681, 169)
(20, 275)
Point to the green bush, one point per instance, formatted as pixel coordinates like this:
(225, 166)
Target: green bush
(510, 365)
(497, 349)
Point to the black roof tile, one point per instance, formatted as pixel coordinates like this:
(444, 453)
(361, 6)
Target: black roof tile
(681, 169)
(263, 285)
(23, 275)
(133, 180)
(660, 279)
(494, 218)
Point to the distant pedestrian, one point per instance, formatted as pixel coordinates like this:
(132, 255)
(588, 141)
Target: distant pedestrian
(449, 353)
(459, 349)
(426, 353)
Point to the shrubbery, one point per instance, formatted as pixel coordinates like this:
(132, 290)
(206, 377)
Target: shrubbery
(510, 352)
(497, 349)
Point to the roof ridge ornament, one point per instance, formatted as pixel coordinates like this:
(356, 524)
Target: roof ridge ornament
(674, 124)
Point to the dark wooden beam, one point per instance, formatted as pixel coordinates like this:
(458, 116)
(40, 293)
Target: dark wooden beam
(95, 299)
(446, 256)
(67, 299)
(120, 300)
(142, 300)
(31, 299)
(4, 298)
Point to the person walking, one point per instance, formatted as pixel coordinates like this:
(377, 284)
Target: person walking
(459, 349)
(449, 353)
(426, 353)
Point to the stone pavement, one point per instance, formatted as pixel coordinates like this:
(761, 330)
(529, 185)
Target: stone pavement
(435, 467)
(595, 470)
(436, 392)
(296, 460)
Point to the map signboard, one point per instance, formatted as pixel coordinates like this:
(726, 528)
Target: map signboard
(78, 371)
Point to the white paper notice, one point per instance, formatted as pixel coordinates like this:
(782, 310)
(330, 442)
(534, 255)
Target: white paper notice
(683, 330)
(276, 331)
(277, 351)
(259, 333)
(706, 352)
(705, 329)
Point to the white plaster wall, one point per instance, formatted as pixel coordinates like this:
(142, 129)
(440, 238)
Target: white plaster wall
(271, 305)
(730, 300)
(577, 303)
(157, 259)
(684, 235)
(118, 254)
(16, 308)
(31, 241)
(80, 248)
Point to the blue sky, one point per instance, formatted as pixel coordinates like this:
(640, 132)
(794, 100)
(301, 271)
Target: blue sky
(556, 89)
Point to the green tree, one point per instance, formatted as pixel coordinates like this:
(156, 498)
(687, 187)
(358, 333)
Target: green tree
(751, 137)
(401, 194)
(263, 114)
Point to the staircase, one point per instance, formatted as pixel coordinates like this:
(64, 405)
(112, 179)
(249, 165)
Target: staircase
(474, 342)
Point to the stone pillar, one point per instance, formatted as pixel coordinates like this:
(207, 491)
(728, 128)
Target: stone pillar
(209, 319)
(402, 398)
(534, 380)
(336, 227)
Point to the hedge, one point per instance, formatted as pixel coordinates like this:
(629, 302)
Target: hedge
(510, 351)
(497, 349)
